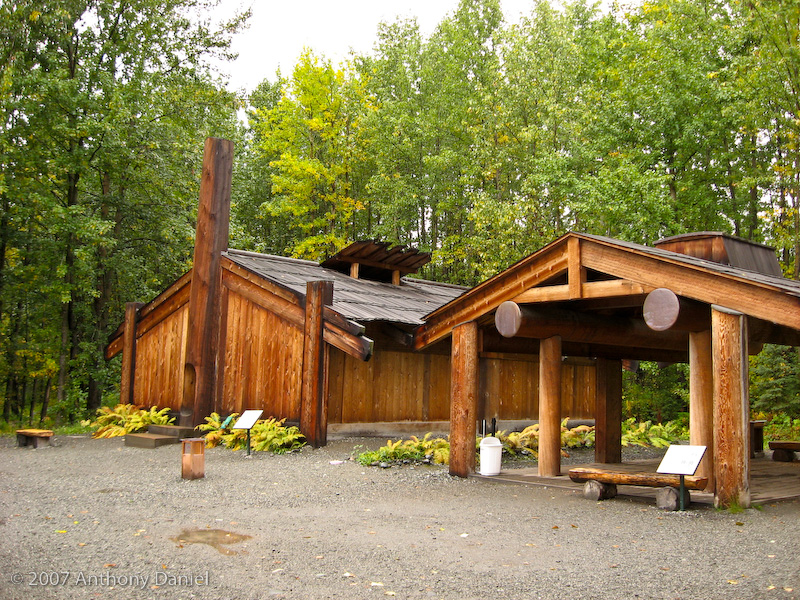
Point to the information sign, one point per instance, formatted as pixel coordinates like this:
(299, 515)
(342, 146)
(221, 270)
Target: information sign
(681, 460)
(247, 420)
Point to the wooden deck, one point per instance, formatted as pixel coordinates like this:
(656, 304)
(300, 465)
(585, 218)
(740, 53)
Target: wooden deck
(770, 481)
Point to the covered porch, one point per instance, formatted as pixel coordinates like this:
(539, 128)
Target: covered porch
(770, 481)
(708, 300)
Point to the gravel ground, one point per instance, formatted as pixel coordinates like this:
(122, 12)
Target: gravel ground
(94, 519)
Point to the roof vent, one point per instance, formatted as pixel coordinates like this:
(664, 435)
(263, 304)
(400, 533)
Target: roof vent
(377, 261)
(725, 249)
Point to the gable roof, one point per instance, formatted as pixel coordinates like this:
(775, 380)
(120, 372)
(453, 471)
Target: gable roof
(356, 299)
(591, 268)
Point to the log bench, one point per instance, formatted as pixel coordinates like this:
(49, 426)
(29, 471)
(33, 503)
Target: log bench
(600, 484)
(31, 437)
(783, 451)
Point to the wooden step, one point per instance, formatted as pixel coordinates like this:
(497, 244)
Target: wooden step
(149, 440)
(175, 431)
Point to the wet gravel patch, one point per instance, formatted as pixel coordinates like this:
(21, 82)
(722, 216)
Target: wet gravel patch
(95, 519)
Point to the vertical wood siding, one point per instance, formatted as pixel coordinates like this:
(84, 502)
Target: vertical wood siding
(262, 361)
(404, 386)
(160, 356)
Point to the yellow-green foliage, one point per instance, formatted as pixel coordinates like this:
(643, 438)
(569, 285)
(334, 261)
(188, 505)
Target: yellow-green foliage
(268, 435)
(126, 418)
(435, 450)
(215, 427)
(658, 435)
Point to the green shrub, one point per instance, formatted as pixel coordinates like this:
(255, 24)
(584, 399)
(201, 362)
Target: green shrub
(267, 435)
(781, 427)
(659, 435)
(425, 450)
(124, 419)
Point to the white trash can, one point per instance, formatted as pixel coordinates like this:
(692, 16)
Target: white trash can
(491, 455)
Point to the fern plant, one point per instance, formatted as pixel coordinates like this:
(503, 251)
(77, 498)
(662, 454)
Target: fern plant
(268, 435)
(126, 418)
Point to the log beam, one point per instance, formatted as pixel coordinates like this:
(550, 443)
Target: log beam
(550, 407)
(582, 474)
(663, 309)
(511, 320)
(731, 410)
(464, 398)
(701, 401)
(313, 405)
(211, 239)
(608, 412)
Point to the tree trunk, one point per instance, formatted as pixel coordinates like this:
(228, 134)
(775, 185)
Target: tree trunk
(46, 400)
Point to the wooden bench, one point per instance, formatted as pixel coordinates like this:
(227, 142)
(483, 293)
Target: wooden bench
(31, 437)
(783, 451)
(600, 484)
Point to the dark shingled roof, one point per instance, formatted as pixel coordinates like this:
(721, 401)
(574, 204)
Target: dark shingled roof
(356, 299)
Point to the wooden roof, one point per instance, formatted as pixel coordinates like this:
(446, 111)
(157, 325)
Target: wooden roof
(605, 276)
(357, 299)
(726, 249)
(377, 259)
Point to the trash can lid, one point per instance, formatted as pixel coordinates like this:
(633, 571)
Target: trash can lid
(490, 441)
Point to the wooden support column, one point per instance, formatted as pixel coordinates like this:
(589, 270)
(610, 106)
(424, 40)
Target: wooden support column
(463, 398)
(701, 401)
(313, 403)
(129, 353)
(550, 407)
(608, 412)
(731, 409)
(211, 239)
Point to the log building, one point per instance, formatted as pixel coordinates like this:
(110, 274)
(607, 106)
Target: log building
(355, 342)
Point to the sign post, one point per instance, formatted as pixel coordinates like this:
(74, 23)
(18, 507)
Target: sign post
(681, 460)
(246, 421)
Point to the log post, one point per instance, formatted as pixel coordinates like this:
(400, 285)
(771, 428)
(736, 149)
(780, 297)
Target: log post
(608, 412)
(463, 398)
(129, 353)
(313, 403)
(211, 239)
(701, 401)
(550, 407)
(731, 410)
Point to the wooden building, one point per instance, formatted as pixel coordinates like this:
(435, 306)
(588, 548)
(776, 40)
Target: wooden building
(354, 341)
(316, 344)
(589, 296)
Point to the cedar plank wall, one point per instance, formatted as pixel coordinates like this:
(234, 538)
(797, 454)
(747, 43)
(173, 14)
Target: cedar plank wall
(263, 354)
(391, 387)
(160, 355)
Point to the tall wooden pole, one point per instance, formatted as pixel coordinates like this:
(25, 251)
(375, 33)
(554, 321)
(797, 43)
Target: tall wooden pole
(701, 401)
(731, 409)
(129, 353)
(463, 398)
(313, 403)
(608, 412)
(550, 407)
(211, 239)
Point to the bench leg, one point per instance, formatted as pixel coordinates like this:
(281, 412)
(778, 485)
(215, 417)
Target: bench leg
(669, 498)
(22, 440)
(594, 490)
(783, 455)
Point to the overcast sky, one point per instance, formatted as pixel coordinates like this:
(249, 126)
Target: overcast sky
(280, 29)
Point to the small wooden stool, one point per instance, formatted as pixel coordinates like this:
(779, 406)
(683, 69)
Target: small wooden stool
(31, 437)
